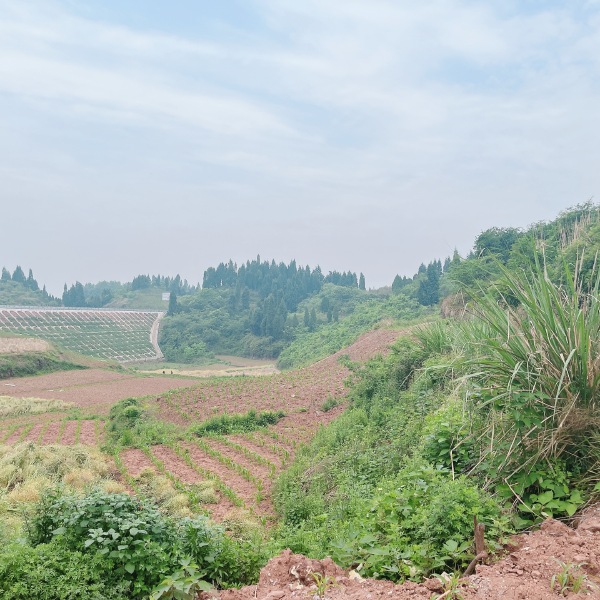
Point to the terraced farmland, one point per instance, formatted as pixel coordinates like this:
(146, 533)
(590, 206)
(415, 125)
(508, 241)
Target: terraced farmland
(243, 466)
(220, 474)
(121, 335)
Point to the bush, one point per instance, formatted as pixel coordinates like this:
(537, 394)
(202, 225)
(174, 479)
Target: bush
(52, 572)
(130, 424)
(221, 559)
(130, 543)
(131, 539)
(419, 522)
(226, 424)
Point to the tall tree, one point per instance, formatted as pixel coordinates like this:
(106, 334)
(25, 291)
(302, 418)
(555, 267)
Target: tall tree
(31, 283)
(173, 306)
(361, 282)
(18, 275)
(5, 274)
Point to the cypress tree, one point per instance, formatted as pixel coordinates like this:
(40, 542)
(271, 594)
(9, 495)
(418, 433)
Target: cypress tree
(173, 308)
(18, 275)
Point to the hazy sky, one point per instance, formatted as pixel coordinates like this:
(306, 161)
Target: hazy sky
(146, 136)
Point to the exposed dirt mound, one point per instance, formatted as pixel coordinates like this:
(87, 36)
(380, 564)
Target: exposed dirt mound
(534, 563)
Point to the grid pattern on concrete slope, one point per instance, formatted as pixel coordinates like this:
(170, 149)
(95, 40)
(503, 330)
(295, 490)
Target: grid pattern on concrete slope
(120, 335)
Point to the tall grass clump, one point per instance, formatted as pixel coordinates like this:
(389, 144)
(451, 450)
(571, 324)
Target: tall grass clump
(536, 346)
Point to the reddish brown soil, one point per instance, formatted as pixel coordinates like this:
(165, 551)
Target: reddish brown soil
(135, 461)
(524, 573)
(305, 389)
(93, 389)
(244, 489)
(300, 394)
(258, 470)
(87, 435)
(51, 434)
(175, 465)
(14, 437)
(68, 437)
(261, 450)
(34, 432)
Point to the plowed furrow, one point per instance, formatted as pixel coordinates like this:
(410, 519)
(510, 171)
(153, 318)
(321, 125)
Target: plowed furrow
(244, 489)
(87, 435)
(68, 436)
(14, 437)
(258, 470)
(262, 450)
(33, 434)
(51, 434)
(135, 461)
(175, 465)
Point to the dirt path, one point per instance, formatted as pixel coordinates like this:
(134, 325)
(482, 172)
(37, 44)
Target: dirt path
(154, 335)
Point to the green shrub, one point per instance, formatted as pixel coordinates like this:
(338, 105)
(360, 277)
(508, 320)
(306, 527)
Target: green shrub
(133, 541)
(221, 559)
(33, 363)
(419, 522)
(129, 542)
(53, 572)
(226, 424)
(130, 424)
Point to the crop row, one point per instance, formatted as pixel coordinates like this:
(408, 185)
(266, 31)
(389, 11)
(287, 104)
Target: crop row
(65, 432)
(241, 469)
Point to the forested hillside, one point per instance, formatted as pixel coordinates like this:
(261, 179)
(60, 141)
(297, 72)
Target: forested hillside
(256, 309)
(574, 234)
(22, 290)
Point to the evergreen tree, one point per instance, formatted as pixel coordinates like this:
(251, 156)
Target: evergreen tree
(74, 296)
(335, 313)
(429, 287)
(361, 282)
(5, 274)
(31, 283)
(19, 276)
(246, 299)
(173, 306)
(141, 282)
(306, 318)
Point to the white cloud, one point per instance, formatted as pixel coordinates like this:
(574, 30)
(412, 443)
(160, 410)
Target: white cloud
(416, 110)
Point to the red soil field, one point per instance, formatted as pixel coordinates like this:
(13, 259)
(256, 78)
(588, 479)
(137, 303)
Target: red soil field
(243, 464)
(262, 454)
(95, 390)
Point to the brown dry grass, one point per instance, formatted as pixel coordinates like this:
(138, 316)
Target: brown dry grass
(17, 407)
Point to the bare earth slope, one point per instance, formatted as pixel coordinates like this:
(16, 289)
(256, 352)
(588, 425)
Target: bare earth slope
(525, 572)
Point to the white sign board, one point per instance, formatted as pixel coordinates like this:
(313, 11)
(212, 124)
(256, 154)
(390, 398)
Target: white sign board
(166, 296)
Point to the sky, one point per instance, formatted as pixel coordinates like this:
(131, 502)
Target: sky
(165, 137)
